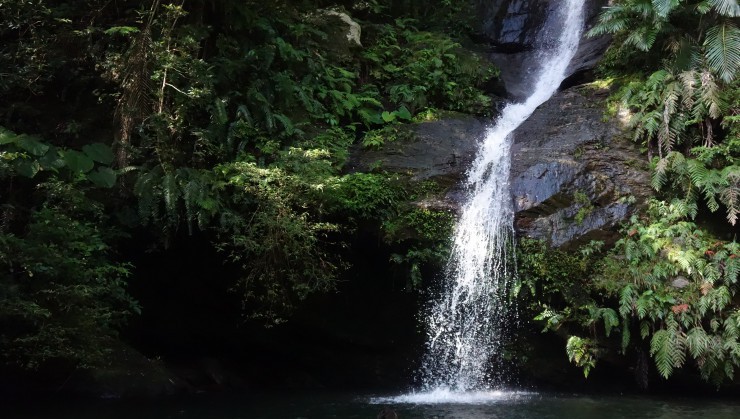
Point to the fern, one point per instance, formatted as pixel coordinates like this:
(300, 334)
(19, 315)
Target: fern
(663, 8)
(722, 45)
(661, 349)
(667, 346)
(581, 352)
(697, 342)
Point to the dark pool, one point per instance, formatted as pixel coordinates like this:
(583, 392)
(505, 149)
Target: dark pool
(518, 405)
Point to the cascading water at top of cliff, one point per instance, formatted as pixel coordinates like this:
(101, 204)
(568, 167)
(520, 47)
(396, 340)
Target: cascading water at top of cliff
(467, 321)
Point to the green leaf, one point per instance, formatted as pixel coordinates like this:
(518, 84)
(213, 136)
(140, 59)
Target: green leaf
(32, 145)
(7, 136)
(121, 30)
(28, 168)
(104, 177)
(664, 7)
(101, 153)
(726, 7)
(723, 50)
(51, 160)
(403, 113)
(78, 162)
(388, 117)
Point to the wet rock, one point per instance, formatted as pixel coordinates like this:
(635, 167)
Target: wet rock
(442, 150)
(512, 25)
(387, 413)
(574, 175)
(512, 28)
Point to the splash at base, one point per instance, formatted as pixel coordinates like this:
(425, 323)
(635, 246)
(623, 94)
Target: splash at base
(446, 396)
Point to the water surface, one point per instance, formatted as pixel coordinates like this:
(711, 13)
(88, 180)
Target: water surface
(493, 405)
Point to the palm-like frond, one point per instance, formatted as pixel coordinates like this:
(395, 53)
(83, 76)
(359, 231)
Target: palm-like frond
(664, 7)
(726, 7)
(722, 50)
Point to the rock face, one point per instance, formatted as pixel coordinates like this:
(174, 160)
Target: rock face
(512, 25)
(512, 28)
(574, 176)
(442, 150)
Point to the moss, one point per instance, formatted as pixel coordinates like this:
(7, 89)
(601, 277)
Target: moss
(586, 207)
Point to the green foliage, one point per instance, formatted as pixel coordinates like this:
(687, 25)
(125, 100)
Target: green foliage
(63, 295)
(703, 177)
(682, 105)
(168, 199)
(678, 283)
(377, 138)
(274, 232)
(582, 353)
(666, 283)
(422, 69)
(233, 119)
(585, 206)
(368, 196)
(422, 238)
(695, 34)
(28, 156)
(548, 276)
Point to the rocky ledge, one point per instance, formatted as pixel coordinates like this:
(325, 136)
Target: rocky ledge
(575, 176)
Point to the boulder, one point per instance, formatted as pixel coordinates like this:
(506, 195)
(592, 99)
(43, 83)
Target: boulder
(343, 33)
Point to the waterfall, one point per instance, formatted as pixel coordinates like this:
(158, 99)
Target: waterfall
(466, 322)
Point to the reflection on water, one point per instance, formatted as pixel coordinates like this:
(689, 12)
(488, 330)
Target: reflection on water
(495, 405)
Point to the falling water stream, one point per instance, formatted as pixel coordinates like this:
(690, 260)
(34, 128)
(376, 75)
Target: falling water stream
(467, 321)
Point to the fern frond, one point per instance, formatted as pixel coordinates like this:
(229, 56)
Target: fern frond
(722, 50)
(731, 269)
(710, 95)
(730, 192)
(729, 8)
(661, 349)
(697, 342)
(688, 82)
(643, 37)
(663, 8)
(625, 336)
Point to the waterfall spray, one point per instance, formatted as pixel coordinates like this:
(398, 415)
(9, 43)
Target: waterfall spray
(467, 321)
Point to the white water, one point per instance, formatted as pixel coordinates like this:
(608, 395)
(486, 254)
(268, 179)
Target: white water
(467, 322)
(443, 396)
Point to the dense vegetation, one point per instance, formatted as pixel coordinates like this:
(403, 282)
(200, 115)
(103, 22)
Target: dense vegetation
(127, 127)
(232, 120)
(668, 288)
